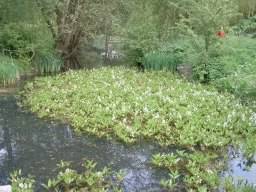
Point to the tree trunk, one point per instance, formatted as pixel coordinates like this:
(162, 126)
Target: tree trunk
(108, 30)
(70, 34)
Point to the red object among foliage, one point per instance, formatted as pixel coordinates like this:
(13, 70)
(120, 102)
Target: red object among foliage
(221, 34)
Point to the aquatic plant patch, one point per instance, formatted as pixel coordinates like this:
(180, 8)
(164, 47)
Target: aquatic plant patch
(69, 180)
(158, 106)
(121, 103)
(197, 171)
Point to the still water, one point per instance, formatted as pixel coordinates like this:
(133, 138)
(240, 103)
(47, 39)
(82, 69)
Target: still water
(35, 146)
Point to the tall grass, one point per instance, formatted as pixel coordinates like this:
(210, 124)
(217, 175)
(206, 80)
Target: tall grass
(47, 62)
(161, 61)
(9, 71)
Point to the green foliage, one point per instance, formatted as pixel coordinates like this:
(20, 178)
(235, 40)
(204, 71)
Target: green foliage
(9, 70)
(140, 31)
(204, 18)
(121, 103)
(242, 85)
(22, 184)
(16, 42)
(27, 39)
(237, 67)
(247, 7)
(246, 27)
(69, 180)
(91, 180)
(199, 170)
(18, 11)
(149, 24)
(163, 60)
(16, 39)
(200, 21)
(46, 61)
(231, 186)
(22, 42)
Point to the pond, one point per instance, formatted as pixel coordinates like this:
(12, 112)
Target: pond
(36, 146)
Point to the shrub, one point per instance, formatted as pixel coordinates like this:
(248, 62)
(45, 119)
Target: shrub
(30, 43)
(236, 67)
(17, 39)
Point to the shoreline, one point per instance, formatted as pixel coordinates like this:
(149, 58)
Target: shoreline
(5, 91)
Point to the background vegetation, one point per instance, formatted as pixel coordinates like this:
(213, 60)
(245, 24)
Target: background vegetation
(52, 36)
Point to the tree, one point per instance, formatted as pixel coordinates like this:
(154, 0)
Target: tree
(71, 22)
(247, 7)
(150, 23)
(166, 14)
(201, 20)
(110, 16)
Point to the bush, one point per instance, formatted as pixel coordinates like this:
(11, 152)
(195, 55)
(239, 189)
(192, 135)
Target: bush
(17, 39)
(236, 67)
(30, 44)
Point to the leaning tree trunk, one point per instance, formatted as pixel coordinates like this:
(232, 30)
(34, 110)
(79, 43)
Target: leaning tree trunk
(67, 45)
(70, 33)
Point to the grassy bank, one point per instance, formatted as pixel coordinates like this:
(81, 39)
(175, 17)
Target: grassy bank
(127, 105)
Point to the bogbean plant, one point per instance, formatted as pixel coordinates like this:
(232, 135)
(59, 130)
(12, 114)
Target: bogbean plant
(20, 183)
(69, 180)
(199, 171)
(127, 105)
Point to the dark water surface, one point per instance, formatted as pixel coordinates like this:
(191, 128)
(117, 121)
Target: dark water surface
(35, 146)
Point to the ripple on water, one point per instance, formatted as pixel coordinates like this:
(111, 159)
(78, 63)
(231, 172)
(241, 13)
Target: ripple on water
(240, 168)
(35, 146)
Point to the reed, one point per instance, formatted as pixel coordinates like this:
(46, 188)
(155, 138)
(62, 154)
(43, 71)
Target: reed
(9, 71)
(161, 61)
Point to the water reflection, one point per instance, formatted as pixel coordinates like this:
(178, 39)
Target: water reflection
(240, 168)
(36, 146)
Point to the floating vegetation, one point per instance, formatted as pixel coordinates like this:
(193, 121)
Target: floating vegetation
(157, 106)
(69, 180)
